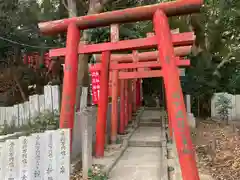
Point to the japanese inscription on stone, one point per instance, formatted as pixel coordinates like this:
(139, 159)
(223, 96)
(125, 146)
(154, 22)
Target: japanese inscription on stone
(2, 155)
(37, 173)
(24, 158)
(64, 154)
(50, 157)
(11, 161)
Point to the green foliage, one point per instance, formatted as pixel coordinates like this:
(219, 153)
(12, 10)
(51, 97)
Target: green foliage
(127, 31)
(223, 105)
(215, 68)
(19, 23)
(118, 141)
(199, 80)
(96, 176)
(45, 121)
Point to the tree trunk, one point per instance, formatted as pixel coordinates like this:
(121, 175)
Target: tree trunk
(95, 6)
(72, 8)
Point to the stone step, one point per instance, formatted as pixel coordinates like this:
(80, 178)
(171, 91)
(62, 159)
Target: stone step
(150, 124)
(151, 120)
(133, 143)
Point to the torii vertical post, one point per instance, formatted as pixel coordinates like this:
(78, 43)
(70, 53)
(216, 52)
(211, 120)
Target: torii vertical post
(70, 78)
(138, 94)
(102, 104)
(140, 88)
(174, 95)
(130, 99)
(122, 107)
(134, 95)
(138, 81)
(114, 114)
(126, 101)
(135, 60)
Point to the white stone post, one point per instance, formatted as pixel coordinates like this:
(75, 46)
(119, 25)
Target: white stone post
(191, 118)
(188, 103)
(86, 129)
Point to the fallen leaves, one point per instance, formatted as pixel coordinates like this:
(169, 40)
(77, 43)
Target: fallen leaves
(218, 150)
(96, 171)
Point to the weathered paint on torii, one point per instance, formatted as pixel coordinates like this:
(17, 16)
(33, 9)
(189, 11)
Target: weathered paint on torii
(164, 42)
(145, 56)
(174, 8)
(181, 39)
(132, 94)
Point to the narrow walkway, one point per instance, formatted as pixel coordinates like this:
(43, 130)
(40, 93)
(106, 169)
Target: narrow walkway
(146, 156)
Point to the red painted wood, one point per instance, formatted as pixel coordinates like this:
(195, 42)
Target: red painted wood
(70, 79)
(122, 107)
(115, 86)
(135, 59)
(126, 102)
(174, 8)
(175, 103)
(147, 64)
(130, 97)
(102, 105)
(145, 56)
(142, 74)
(181, 39)
(179, 62)
(138, 94)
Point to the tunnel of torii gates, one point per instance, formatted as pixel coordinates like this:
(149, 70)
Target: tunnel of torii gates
(163, 40)
(132, 67)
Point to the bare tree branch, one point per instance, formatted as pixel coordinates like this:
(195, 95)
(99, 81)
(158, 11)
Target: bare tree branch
(70, 7)
(227, 59)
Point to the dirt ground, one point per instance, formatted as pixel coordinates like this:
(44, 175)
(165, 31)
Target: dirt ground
(218, 149)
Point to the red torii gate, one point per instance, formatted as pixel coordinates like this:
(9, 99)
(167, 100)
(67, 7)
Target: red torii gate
(164, 42)
(143, 60)
(126, 76)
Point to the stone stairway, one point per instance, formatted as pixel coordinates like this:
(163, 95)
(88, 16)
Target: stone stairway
(146, 155)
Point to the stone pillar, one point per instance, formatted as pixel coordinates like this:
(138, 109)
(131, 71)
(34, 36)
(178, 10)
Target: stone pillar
(85, 116)
(191, 118)
(188, 103)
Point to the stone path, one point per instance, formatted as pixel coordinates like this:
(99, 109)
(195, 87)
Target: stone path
(146, 156)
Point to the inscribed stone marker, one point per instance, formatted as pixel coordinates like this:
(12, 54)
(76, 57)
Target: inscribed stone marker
(63, 153)
(50, 165)
(38, 149)
(25, 158)
(2, 159)
(11, 159)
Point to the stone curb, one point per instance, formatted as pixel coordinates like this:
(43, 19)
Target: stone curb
(107, 169)
(12, 136)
